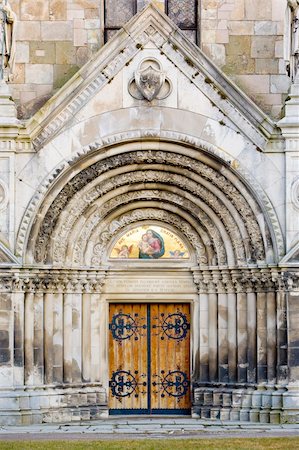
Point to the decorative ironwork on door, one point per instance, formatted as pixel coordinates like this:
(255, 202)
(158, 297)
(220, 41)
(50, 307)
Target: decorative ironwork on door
(149, 349)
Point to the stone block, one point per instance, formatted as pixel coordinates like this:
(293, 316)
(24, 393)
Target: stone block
(254, 10)
(278, 10)
(79, 23)
(56, 31)
(93, 13)
(65, 53)
(37, 10)
(254, 83)
(93, 36)
(279, 84)
(42, 52)
(80, 37)
(82, 55)
(266, 27)
(22, 52)
(92, 24)
(263, 47)
(238, 60)
(241, 27)
(217, 53)
(222, 36)
(28, 31)
(58, 10)
(75, 14)
(238, 13)
(279, 49)
(39, 73)
(209, 37)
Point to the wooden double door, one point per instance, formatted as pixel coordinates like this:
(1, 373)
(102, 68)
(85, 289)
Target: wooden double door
(149, 359)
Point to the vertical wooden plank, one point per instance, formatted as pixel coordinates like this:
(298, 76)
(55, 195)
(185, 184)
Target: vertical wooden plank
(170, 357)
(127, 357)
(155, 339)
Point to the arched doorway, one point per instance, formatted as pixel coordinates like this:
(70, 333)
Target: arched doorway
(230, 278)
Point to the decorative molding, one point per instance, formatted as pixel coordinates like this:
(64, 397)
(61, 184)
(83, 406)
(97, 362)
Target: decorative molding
(35, 203)
(207, 280)
(86, 176)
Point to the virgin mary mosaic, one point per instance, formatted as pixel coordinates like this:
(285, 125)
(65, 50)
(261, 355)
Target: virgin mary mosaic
(149, 242)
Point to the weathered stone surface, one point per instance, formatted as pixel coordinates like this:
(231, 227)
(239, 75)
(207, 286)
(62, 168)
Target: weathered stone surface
(263, 47)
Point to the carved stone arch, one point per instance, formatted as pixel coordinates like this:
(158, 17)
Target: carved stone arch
(210, 179)
(121, 194)
(210, 235)
(207, 250)
(168, 141)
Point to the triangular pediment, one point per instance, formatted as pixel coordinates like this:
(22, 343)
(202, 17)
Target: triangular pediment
(150, 30)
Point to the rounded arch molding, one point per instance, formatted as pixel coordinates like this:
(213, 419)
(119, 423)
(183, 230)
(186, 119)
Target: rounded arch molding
(217, 200)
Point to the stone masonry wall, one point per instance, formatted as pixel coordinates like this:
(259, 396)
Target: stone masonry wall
(57, 37)
(245, 39)
(54, 39)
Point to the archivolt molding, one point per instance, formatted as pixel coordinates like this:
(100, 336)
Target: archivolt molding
(175, 159)
(155, 190)
(215, 250)
(139, 215)
(213, 239)
(148, 157)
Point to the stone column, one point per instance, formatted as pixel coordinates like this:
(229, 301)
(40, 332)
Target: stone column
(242, 336)
(213, 327)
(28, 336)
(67, 337)
(18, 298)
(231, 327)
(222, 323)
(271, 338)
(48, 337)
(291, 397)
(251, 334)
(57, 337)
(38, 338)
(261, 306)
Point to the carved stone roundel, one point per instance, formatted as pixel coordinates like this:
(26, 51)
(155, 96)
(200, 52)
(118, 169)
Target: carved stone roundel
(150, 81)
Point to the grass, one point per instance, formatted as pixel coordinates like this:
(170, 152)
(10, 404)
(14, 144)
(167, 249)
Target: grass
(153, 444)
